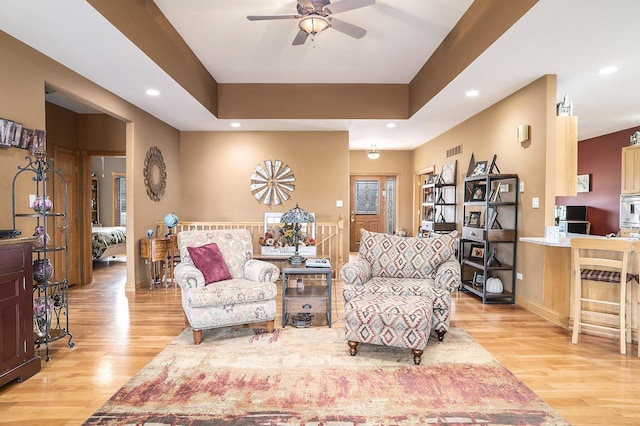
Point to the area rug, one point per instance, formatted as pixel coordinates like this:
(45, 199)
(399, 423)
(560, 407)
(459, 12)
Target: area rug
(245, 376)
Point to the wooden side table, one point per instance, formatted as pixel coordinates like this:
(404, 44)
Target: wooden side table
(159, 253)
(310, 299)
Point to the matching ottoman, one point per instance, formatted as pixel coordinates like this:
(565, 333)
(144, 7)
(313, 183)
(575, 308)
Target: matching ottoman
(400, 321)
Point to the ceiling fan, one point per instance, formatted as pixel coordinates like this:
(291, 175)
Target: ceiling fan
(316, 16)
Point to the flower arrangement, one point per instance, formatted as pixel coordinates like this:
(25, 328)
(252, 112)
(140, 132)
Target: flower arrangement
(285, 236)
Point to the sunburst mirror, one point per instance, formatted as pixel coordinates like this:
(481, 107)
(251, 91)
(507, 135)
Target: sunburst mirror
(155, 174)
(272, 182)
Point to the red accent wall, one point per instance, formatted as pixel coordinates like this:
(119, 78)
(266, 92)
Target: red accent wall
(601, 157)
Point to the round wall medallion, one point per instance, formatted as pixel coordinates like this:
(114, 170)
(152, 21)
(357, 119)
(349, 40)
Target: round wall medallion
(272, 182)
(155, 174)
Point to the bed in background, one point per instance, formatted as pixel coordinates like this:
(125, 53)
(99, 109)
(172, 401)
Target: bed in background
(108, 241)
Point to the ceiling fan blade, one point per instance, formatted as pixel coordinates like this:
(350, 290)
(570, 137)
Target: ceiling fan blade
(306, 4)
(270, 17)
(301, 37)
(344, 5)
(347, 28)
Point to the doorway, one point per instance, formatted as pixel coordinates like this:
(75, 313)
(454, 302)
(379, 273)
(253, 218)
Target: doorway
(372, 205)
(67, 162)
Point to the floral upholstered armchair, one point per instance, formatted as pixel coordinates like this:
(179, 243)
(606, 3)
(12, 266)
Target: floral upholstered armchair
(406, 266)
(221, 283)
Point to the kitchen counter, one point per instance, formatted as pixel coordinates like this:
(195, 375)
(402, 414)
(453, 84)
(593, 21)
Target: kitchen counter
(557, 282)
(565, 241)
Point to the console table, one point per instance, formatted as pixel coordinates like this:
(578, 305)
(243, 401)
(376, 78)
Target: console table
(310, 298)
(161, 250)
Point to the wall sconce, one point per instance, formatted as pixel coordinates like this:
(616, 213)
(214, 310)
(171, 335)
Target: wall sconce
(373, 153)
(523, 133)
(635, 138)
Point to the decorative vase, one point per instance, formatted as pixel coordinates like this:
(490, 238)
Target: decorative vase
(43, 238)
(42, 204)
(42, 315)
(42, 270)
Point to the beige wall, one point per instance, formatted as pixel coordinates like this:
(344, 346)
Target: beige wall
(493, 131)
(22, 87)
(391, 163)
(216, 172)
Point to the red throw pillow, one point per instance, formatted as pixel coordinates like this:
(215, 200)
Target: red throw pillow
(210, 262)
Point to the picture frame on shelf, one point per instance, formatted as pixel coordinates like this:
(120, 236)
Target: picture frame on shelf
(429, 197)
(433, 179)
(474, 219)
(476, 252)
(478, 279)
(429, 214)
(478, 192)
(448, 173)
(480, 169)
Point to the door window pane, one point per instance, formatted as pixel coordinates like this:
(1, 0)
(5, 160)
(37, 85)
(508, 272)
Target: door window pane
(367, 200)
(390, 205)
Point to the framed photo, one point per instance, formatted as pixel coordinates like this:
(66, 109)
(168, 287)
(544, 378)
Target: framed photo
(583, 184)
(476, 252)
(480, 168)
(478, 279)
(39, 142)
(433, 179)
(449, 172)
(25, 138)
(478, 192)
(429, 214)
(16, 134)
(6, 132)
(474, 219)
(429, 197)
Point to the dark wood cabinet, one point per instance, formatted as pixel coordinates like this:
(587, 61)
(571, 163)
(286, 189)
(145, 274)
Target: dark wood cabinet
(17, 356)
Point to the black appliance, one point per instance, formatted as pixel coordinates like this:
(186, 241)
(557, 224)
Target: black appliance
(573, 219)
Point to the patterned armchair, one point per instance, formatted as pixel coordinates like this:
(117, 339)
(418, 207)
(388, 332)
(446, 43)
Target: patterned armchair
(249, 296)
(406, 266)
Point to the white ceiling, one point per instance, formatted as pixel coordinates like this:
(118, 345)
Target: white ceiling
(570, 38)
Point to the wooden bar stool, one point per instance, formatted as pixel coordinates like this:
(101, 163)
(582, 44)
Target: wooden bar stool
(603, 261)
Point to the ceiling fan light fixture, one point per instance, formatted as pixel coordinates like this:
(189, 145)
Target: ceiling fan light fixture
(373, 153)
(313, 24)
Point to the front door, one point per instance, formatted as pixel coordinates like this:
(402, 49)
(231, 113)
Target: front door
(67, 162)
(372, 206)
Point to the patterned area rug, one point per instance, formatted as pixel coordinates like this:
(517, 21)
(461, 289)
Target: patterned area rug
(244, 376)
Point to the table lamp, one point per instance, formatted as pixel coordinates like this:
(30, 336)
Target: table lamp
(296, 216)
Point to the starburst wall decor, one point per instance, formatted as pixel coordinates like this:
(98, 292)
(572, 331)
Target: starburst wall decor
(272, 182)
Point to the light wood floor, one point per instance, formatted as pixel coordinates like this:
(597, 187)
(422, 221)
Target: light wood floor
(117, 331)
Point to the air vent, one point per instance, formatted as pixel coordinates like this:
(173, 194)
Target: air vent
(454, 151)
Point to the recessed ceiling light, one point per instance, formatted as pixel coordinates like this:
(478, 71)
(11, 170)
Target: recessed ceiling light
(391, 125)
(608, 70)
(235, 124)
(472, 93)
(153, 92)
